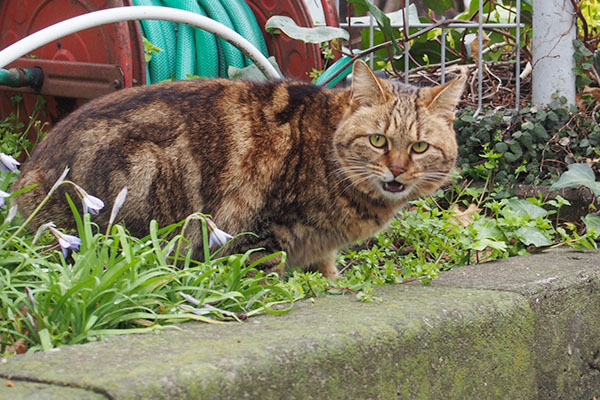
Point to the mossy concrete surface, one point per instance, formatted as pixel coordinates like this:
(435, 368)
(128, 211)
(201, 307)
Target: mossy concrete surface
(522, 328)
(563, 290)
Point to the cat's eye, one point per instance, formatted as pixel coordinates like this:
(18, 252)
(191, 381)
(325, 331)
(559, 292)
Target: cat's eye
(420, 147)
(378, 141)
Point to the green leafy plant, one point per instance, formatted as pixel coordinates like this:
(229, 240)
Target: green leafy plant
(277, 24)
(532, 146)
(149, 49)
(18, 137)
(115, 284)
(587, 68)
(578, 174)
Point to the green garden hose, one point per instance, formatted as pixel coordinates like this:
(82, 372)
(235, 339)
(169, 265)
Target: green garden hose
(168, 33)
(195, 51)
(333, 68)
(192, 51)
(21, 77)
(186, 43)
(185, 65)
(228, 53)
(168, 29)
(239, 11)
(159, 64)
(203, 55)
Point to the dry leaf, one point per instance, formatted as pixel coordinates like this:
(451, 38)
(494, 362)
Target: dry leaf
(588, 90)
(17, 347)
(463, 217)
(475, 46)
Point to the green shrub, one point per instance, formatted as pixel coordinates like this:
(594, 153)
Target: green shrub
(531, 146)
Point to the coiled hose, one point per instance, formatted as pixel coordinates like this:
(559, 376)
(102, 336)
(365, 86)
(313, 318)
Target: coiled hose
(190, 51)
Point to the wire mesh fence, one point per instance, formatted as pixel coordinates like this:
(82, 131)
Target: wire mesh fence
(408, 21)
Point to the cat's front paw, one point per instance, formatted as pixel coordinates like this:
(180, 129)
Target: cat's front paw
(327, 267)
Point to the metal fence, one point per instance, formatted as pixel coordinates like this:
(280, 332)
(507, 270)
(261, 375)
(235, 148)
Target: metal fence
(480, 26)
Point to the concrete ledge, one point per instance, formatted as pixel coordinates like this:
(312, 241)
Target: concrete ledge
(522, 328)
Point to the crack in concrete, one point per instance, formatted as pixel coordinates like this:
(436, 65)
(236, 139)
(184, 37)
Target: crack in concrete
(94, 389)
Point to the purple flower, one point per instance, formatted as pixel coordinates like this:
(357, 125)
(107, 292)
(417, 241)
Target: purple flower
(3, 195)
(8, 163)
(217, 236)
(67, 242)
(91, 204)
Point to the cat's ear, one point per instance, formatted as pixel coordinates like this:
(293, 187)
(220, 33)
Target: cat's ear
(445, 97)
(366, 88)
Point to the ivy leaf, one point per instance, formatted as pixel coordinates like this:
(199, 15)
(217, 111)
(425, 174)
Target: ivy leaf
(501, 147)
(578, 174)
(510, 157)
(539, 131)
(592, 222)
(483, 244)
(532, 236)
(317, 35)
(516, 149)
(528, 125)
(488, 229)
(382, 20)
(251, 72)
(524, 208)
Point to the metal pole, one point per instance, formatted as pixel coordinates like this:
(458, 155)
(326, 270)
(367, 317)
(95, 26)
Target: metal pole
(480, 61)
(518, 50)
(371, 39)
(443, 54)
(406, 44)
(555, 30)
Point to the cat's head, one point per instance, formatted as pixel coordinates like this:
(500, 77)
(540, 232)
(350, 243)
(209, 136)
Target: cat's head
(397, 141)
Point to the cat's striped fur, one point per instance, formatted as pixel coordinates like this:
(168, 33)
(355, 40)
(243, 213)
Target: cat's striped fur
(292, 162)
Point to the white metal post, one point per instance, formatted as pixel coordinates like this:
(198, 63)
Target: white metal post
(554, 29)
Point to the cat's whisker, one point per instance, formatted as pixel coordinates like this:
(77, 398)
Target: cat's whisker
(344, 173)
(357, 182)
(434, 177)
(431, 179)
(347, 171)
(438, 175)
(352, 176)
(358, 176)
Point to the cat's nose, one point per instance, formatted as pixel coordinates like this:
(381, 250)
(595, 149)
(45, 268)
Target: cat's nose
(397, 169)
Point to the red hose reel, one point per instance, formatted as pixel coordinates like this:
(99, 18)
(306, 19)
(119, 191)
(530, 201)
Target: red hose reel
(77, 67)
(99, 60)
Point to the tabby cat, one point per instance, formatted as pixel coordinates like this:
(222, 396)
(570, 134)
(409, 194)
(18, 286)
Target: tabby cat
(308, 169)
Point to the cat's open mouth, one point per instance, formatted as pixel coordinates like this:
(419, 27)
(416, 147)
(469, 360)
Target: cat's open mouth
(393, 186)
